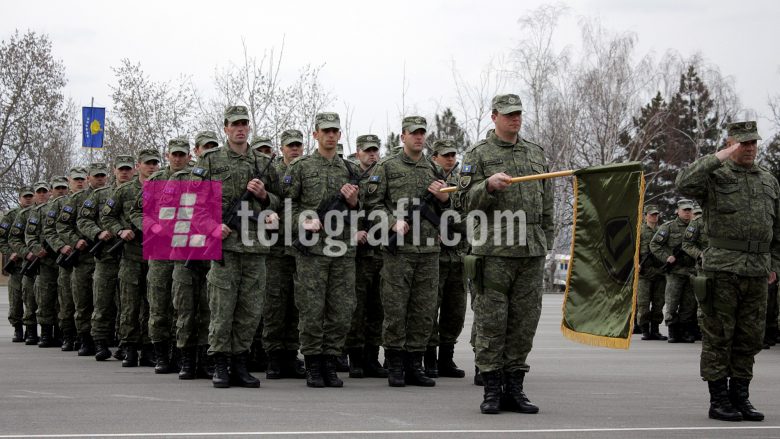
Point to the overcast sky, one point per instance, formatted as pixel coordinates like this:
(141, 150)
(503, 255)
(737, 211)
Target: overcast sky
(365, 44)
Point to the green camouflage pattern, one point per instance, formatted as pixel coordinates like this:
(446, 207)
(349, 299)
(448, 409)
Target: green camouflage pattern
(280, 316)
(366, 326)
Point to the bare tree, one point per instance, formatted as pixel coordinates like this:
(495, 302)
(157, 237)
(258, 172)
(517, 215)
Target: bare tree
(473, 100)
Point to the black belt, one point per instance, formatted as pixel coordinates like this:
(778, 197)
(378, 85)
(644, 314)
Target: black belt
(741, 246)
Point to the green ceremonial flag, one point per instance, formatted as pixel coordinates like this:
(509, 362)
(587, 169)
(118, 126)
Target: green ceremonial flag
(601, 285)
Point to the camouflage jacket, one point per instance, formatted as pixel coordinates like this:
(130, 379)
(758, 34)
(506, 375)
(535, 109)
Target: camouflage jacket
(455, 253)
(33, 233)
(491, 156)
(68, 215)
(88, 217)
(115, 216)
(650, 264)
(16, 235)
(668, 240)
(695, 240)
(55, 240)
(5, 229)
(741, 215)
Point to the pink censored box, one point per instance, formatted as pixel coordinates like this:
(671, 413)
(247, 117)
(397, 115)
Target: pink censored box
(182, 219)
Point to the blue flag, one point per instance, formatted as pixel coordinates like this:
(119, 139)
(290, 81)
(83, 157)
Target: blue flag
(94, 119)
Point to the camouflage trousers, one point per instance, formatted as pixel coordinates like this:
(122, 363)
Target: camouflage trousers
(236, 289)
(679, 298)
(46, 292)
(366, 327)
(83, 293)
(191, 302)
(28, 298)
(409, 287)
(159, 281)
(450, 305)
(650, 299)
(507, 308)
(67, 309)
(325, 296)
(280, 316)
(732, 326)
(133, 303)
(105, 295)
(15, 303)
(772, 311)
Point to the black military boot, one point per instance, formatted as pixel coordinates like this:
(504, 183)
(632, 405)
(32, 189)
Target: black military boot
(355, 362)
(68, 340)
(447, 366)
(491, 403)
(739, 392)
(131, 355)
(205, 364)
(674, 333)
(258, 358)
(147, 356)
(688, 332)
(119, 353)
(429, 359)
(720, 404)
(239, 374)
(87, 348)
(187, 370)
(395, 368)
(221, 378)
(57, 336)
(162, 364)
(314, 370)
(102, 353)
(514, 398)
(293, 366)
(31, 338)
(657, 332)
(413, 371)
(478, 381)
(175, 358)
(372, 368)
(342, 363)
(647, 333)
(18, 333)
(329, 375)
(47, 337)
(274, 369)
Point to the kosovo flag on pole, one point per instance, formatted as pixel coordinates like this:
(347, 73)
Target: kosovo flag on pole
(601, 285)
(93, 127)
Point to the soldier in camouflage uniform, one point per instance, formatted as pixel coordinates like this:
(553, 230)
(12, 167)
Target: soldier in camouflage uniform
(325, 268)
(451, 301)
(190, 299)
(45, 286)
(652, 282)
(410, 277)
(76, 180)
(280, 316)
(19, 246)
(73, 240)
(680, 303)
(134, 307)
(508, 299)
(15, 303)
(159, 278)
(742, 218)
(236, 284)
(262, 144)
(365, 333)
(105, 285)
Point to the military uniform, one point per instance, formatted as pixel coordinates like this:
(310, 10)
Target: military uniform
(508, 299)
(18, 245)
(15, 303)
(652, 284)
(680, 303)
(325, 275)
(742, 250)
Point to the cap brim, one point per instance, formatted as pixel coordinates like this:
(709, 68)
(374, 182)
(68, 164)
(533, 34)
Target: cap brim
(747, 137)
(292, 140)
(65, 185)
(511, 109)
(79, 175)
(232, 119)
(368, 145)
(447, 151)
(413, 128)
(148, 158)
(327, 124)
(179, 149)
(124, 165)
(24, 194)
(41, 187)
(685, 207)
(206, 142)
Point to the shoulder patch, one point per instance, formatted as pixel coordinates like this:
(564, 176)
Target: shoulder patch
(33, 220)
(374, 179)
(468, 170)
(288, 179)
(87, 203)
(69, 209)
(110, 203)
(5, 226)
(691, 229)
(200, 172)
(51, 214)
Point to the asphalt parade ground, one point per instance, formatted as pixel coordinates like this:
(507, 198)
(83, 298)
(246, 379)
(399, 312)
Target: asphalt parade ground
(652, 390)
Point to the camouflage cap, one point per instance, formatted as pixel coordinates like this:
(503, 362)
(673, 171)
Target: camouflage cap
(97, 168)
(260, 141)
(411, 124)
(327, 120)
(685, 204)
(697, 208)
(124, 161)
(204, 137)
(179, 144)
(291, 136)
(41, 185)
(506, 104)
(78, 172)
(235, 113)
(651, 208)
(59, 181)
(26, 190)
(444, 146)
(147, 155)
(368, 141)
(743, 131)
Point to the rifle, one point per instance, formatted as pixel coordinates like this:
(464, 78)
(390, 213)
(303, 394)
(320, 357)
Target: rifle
(31, 266)
(231, 218)
(9, 266)
(427, 209)
(71, 260)
(335, 202)
(648, 259)
(97, 248)
(679, 258)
